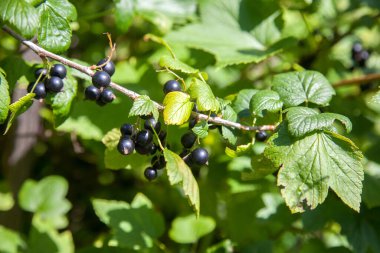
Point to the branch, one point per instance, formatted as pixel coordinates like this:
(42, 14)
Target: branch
(131, 94)
(358, 80)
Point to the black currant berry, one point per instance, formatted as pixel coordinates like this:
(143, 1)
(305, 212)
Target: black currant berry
(146, 149)
(54, 84)
(184, 153)
(192, 122)
(126, 145)
(188, 139)
(158, 162)
(172, 85)
(40, 72)
(101, 79)
(39, 90)
(58, 70)
(261, 136)
(127, 129)
(144, 137)
(107, 96)
(162, 135)
(145, 117)
(199, 156)
(150, 173)
(100, 102)
(356, 48)
(151, 124)
(92, 93)
(109, 67)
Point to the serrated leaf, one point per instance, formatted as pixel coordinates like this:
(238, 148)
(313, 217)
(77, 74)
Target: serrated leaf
(20, 15)
(19, 107)
(5, 98)
(229, 135)
(52, 21)
(83, 127)
(371, 185)
(261, 167)
(190, 229)
(242, 102)
(313, 164)
(179, 173)
(143, 105)
(265, 100)
(63, 7)
(303, 120)
(46, 199)
(177, 108)
(11, 241)
(124, 13)
(300, 87)
(202, 92)
(201, 129)
(135, 225)
(111, 139)
(175, 64)
(61, 101)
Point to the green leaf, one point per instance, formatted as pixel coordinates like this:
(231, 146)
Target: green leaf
(179, 173)
(5, 98)
(6, 201)
(20, 15)
(311, 165)
(177, 108)
(376, 98)
(124, 13)
(202, 92)
(135, 226)
(371, 185)
(83, 127)
(261, 167)
(10, 241)
(175, 64)
(143, 105)
(61, 102)
(19, 107)
(52, 21)
(201, 129)
(303, 120)
(46, 199)
(228, 114)
(242, 102)
(63, 7)
(306, 86)
(190, 229)
(265, 100)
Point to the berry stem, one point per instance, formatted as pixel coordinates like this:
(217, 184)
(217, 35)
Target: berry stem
(131, 94)
(358, 80)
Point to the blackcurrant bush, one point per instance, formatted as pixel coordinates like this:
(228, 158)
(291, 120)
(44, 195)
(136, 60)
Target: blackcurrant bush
(261, 136)
(188, 139)
(109, 67)
(151, 124)
(40, 72)
(199, 156)
(92, 93)
(107, 96)
(158, 162)
(126, 145)
(172, 85)
(101, 79)
(58, 70)
(144, 137)
(127, 129)
(150, 173)
(54, 84)
(39, 90)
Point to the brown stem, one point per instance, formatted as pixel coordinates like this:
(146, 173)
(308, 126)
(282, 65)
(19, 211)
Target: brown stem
(131, 94)
(358, 80)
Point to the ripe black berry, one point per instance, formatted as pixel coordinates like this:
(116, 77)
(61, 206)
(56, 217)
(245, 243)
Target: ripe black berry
(146, 149)
(144, 137)
(39, 90)
(92, 93)
(151, 124)
(40, 71)
(109, 67)
(107, 96)
(100, 102)
(356, 48)
(162, 135)
(261, 136)
(192, 122)
(58, 70)
(199, 156)
(150, 173)
(127, 129)
(158, 162)
(101, 79)
(172, 85)
(54, 84)
(126, 145)
(188, 139)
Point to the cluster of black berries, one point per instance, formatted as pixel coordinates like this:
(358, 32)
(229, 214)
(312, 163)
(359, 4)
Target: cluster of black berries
(52, 84)
(143, 142)
(101, 80)
(359, 55)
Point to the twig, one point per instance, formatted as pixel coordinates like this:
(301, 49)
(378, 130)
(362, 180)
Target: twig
(131, 94)
(358, 80)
